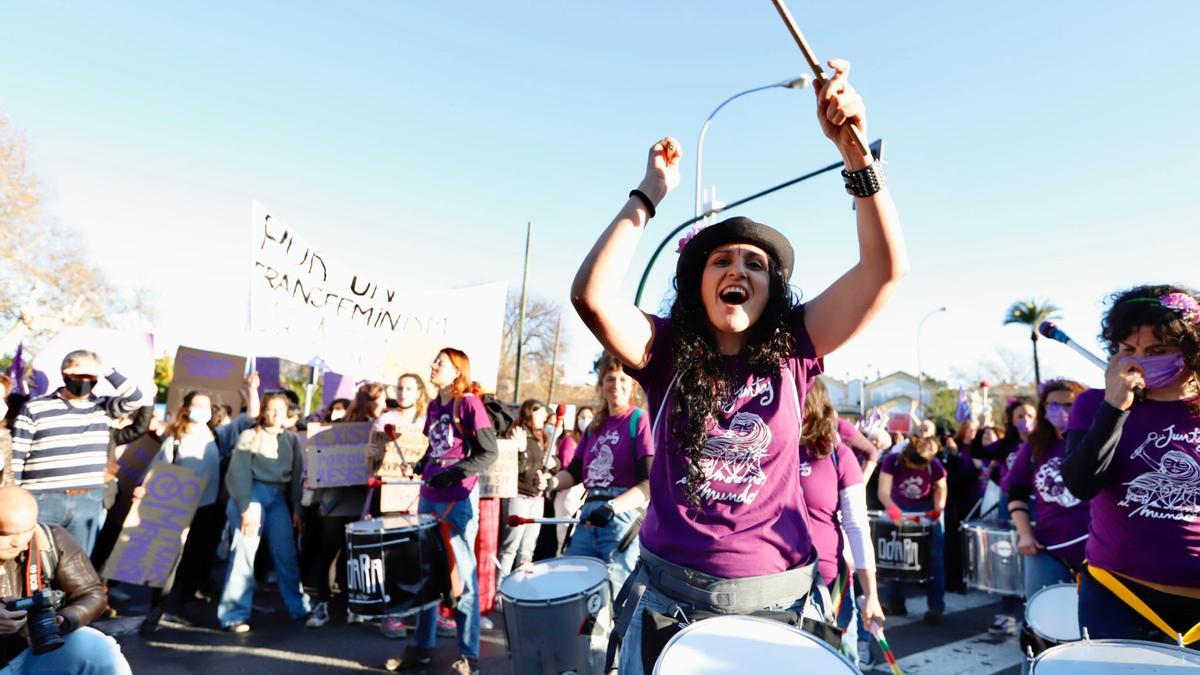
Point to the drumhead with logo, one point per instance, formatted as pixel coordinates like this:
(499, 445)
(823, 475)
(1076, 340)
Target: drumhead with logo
(734, 645)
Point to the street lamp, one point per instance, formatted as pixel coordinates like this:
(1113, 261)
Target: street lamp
(921, 373)
(797, 83)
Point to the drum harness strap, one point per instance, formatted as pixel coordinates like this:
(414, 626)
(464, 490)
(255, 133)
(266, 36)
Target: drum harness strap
(708, 594)
(1119, 589)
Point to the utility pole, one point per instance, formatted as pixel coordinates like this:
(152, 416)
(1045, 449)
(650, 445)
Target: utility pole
(554, 361)
(521, 315)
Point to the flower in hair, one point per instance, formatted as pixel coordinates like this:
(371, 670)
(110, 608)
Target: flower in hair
(683, 242)
(1183, 303)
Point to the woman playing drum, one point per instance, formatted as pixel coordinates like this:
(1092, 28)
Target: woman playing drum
(725, 375)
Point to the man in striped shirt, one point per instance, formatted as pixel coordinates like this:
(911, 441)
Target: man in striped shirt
(60, 445)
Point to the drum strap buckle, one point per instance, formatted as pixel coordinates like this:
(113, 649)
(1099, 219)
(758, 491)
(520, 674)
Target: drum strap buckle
(1119, 589)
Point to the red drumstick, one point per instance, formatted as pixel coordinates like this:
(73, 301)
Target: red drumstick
(517, 521)
(376, 481)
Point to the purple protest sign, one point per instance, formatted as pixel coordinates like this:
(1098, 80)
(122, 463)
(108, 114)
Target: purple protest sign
(152, 536)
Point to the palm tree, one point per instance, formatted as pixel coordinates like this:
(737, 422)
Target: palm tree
(1032, 314)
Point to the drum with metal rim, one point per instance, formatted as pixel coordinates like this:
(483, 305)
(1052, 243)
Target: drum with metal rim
(991, 561)
(1051, 618)
(391, 564)
(734, 645)
(903, 550)
(1116, 657)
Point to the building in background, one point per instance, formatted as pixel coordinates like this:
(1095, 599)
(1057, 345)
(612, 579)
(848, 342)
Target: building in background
(893, 394)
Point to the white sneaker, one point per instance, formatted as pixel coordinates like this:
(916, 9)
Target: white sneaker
(319, 616)
(486, 623)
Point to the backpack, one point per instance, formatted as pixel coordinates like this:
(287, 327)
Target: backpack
(496, 411)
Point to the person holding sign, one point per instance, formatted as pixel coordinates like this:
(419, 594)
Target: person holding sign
(613, 465)
(726, 374)
(462, 443)
(264, 479)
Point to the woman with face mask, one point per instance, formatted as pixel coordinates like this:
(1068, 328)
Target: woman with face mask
(517, 543)
(189, 442)
(264, 482)
(725, 375)
(1133, 450)
(613, 465)
(913, 481)
(1054, 547)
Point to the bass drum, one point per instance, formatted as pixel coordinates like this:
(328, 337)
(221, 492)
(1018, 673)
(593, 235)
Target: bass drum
(391, 565)
(991, 561)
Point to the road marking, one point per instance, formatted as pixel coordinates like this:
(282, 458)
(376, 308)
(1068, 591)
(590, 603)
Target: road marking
(279, 654)
(955, 602)
(976, 654)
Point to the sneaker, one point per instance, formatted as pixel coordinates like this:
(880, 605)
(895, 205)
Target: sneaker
(465, 666)
(895, 610)
(150, 623)
(1003, 624)
(486, 623)
(413, 659)
(319, 616)
(393, 627)
(237, 627)
(446, 627)
(933, 617)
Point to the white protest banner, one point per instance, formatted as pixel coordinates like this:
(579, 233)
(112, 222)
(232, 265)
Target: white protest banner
(500, 479)
(153, 533)
(218, 374)
(357, 321)
(335, 455)
(130, 352)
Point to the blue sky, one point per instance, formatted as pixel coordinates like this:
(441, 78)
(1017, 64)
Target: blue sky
(1035, 149)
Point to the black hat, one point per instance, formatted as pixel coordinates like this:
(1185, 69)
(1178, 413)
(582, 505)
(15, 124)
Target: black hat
(695, 252)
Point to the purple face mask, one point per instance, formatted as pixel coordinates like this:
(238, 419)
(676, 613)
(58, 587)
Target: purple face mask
(1024, 425)
(1057, 416)
(1161, 371)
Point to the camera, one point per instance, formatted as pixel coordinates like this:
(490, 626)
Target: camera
(44, 633)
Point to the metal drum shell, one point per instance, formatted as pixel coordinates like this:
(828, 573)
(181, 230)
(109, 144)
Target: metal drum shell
(991, 561)
(399, 553)
(919, 533)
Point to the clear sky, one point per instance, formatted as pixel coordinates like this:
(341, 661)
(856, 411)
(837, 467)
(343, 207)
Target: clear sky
(1035, 149)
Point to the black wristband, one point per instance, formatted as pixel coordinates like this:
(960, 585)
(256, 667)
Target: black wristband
(1019, 509)
(644, 199)
(864, 182)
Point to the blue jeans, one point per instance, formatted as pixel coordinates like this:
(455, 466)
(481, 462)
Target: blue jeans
(80, 515)
(238, 595)
(630, 660)
(935, 588)
(86, 651)
(602, 543)
(463, 518)
(1043, 570)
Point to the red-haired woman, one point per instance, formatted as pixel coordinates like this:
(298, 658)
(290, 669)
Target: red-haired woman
(462, 443)
(1133, 449)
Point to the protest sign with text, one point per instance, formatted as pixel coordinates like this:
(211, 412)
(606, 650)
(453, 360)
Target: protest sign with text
(335, 455)
(314, 304)
(153, 533)
(221, 375)
(500, 479)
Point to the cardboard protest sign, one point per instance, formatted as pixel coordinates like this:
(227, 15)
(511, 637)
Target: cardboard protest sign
(154, 530)
(500, 479)
(312, 303)
(134, 461)
(335, 455)
(408, 448)
(130, 352)
(221, 375)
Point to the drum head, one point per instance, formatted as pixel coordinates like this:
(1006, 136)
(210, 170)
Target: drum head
(391, 524)
(735, 645)
(1111, 657)
(561, 577)
(1053, 613)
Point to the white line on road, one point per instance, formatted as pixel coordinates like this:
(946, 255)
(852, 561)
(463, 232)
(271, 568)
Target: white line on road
(279, 654)
(976, 654)
(955, 602)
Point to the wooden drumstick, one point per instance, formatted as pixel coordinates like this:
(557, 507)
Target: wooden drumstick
(856, 135)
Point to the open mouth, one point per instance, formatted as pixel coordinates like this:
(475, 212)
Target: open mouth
(734, 295)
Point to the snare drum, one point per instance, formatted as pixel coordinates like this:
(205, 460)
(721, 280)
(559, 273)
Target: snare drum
(991, 560)
(1051, 618)
(390, 565)
(733, 645)
(1114, 657)
(557, 616)
(902, 552)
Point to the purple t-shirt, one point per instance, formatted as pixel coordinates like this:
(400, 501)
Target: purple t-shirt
(912, 489)
(446, 446)
(751, 519)
(863, 448)
(1146, 519)
(566, 450)
(822, 481)
(1062, 518)
(610, 457)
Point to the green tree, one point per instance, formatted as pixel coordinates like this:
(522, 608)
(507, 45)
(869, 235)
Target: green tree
(1032, 314)
(164, 373)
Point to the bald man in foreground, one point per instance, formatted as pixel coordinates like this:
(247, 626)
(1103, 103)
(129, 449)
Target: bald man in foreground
(64, 568)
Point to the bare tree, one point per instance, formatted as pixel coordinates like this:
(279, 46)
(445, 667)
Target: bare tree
(46, 279)
(541, 318)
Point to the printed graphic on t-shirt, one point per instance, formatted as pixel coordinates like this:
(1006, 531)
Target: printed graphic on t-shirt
(805, 469)
(1008, 461)
(600, 461)
(732, 460)
(761, 385)
(1050, 485)
(913, 487)
(1171, 490)
(441, 437)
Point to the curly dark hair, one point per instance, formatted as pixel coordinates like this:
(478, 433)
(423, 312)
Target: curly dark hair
(703, 384)
(1139, 306)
